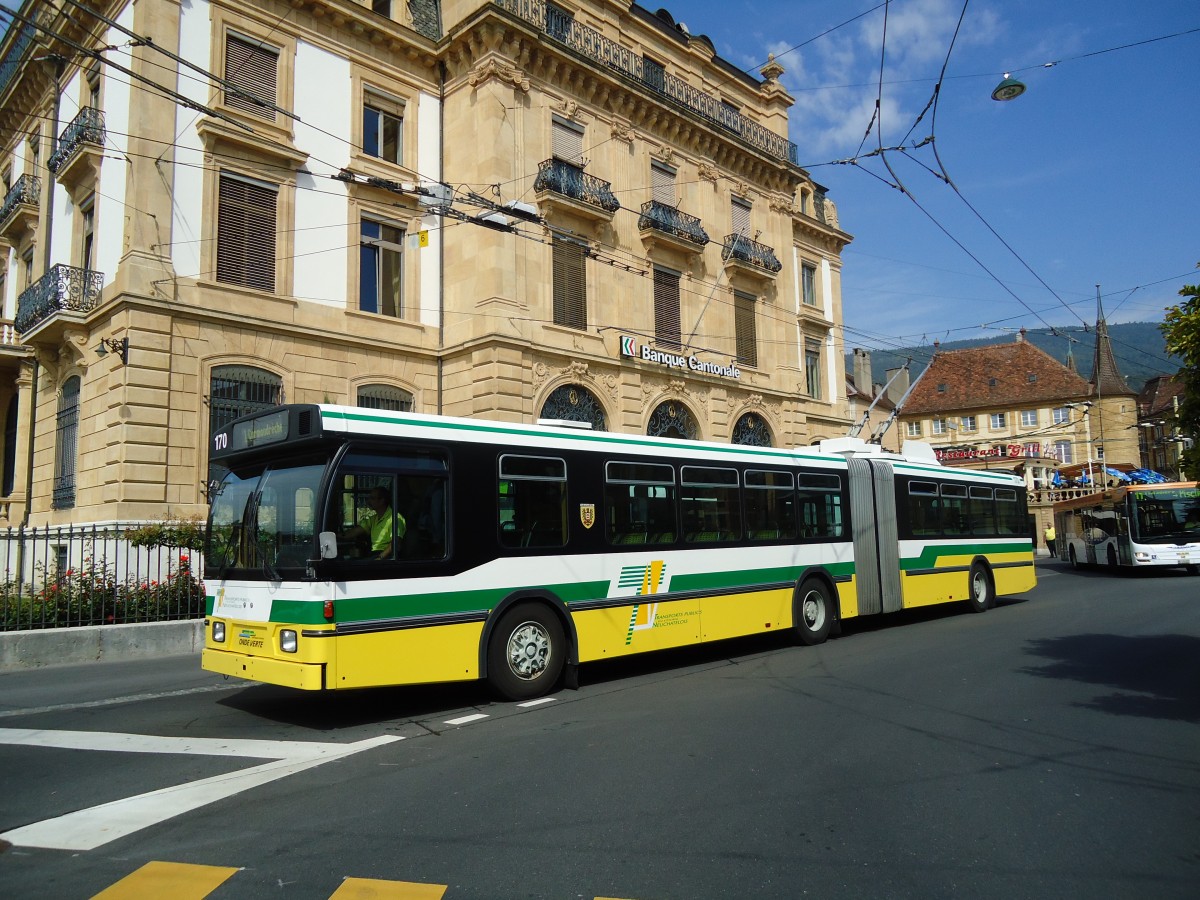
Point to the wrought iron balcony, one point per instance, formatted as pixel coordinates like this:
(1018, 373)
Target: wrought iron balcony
(20, 209)
(593, 45)
(86, 128)
(571, 181)
(740, 248)
(62, 289)
(669, 220)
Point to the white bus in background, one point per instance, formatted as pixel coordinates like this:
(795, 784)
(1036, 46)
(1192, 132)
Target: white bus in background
(1135, 526)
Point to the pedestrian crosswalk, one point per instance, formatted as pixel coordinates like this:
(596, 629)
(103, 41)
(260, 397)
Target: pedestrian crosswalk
(188, 881)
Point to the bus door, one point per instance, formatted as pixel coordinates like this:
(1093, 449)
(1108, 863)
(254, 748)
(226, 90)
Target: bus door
(876, 538)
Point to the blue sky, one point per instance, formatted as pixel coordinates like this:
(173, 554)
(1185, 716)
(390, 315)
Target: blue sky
(1090, 176)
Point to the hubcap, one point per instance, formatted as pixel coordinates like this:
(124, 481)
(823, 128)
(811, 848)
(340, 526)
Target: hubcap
(814, 611)
(528, 650)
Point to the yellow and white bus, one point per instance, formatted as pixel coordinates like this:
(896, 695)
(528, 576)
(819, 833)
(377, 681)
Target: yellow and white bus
(1134, 525)
(352, 547)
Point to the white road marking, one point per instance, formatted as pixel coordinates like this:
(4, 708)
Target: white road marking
(538, 702)
(87, 829)
(463, 720)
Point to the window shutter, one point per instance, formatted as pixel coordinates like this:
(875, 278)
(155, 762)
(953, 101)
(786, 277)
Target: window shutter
(662, 184)
(568, 141)
(741, 216)
(666, 308)
(246, 233)
(382, 396)
(744, 329)
(570, 285)
(251, 68)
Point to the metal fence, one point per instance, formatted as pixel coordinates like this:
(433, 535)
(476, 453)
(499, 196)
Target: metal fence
(60, 577)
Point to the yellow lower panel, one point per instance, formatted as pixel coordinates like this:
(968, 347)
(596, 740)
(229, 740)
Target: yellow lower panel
(734, 615)
(847, 598)
(938, 587)
(1016, 580)
(305, 676)
(622, 630)
(407, 656)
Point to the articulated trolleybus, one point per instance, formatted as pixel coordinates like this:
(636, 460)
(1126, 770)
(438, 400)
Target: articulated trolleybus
(1136, 526)
(351, 547)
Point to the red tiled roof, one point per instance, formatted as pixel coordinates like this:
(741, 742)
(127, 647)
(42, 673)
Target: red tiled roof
(998, 375)
(1158, 395)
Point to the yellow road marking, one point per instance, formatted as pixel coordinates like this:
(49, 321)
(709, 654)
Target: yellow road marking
(376, 889)
(179, 881)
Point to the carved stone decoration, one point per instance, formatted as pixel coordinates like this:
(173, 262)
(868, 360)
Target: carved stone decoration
(567, 108)
(540, 372)
(492, 68)
(772, 70)
(708, 172)
(576, 370)
(665, 155)
(622, 131)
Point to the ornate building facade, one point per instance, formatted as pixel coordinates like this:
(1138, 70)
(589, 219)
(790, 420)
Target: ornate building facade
(516, 210)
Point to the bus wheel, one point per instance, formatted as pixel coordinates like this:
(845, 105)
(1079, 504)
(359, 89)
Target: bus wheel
(982, 595)
(1112, 556)
(526, 652)
(1074, 559)
(1192, 570)
(814, 612)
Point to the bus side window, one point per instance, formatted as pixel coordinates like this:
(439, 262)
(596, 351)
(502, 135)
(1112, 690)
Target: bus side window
(532, 501)
(923, 510)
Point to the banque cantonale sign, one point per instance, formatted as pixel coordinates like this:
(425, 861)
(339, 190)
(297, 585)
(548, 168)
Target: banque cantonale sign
(629, 347)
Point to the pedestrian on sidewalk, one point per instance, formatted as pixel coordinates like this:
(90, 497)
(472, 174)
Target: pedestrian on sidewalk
(1050, 535)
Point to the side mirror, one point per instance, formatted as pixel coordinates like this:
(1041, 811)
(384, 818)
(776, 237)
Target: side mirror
(327, 541)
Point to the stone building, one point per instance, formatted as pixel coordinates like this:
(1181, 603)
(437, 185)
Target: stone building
(510, 209)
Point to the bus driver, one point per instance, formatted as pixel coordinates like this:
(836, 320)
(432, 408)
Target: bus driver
(376, 525)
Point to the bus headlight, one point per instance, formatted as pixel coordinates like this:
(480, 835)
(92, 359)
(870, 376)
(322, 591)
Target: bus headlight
(218, 632)
(1142, 556)
(287, 640)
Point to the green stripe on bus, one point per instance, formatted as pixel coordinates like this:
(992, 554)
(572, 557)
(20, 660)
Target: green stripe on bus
(930, 555)
(751, 579)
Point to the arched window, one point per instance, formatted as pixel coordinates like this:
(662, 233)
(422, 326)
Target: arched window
(238, 390)
(384, 396)
(573, 403)
(751, 429)
(66, 444)
(673, 419)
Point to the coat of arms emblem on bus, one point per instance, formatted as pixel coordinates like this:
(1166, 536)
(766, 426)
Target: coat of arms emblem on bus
(587, 514)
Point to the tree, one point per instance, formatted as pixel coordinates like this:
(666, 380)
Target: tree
(1181, 328)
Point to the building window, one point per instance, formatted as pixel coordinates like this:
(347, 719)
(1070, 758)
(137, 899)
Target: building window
(938, 426)
(9, 478)
(87, 236)
(673, 420)
(1029, 418)
(812, 368)
(572, 403)
(251, 68)
(746, 335)
(381, 269)
(66, 443)
(662, 184)
(1060, 415)
(808, 279)
(92, 87)
(913, 429)
(240, 390)
(740, 213)
(654, 75)
(1033, 449)
(383, 128)
(1062, 452)
(968, 423)
(27, 269)
(246, 215)
(751, 430)
(567, 141)
(666, 308)
(383, 396)
(998, 421)
(570, 284)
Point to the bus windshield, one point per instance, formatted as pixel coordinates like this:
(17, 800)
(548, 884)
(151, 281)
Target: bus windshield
(1167, 517)
(263, 517)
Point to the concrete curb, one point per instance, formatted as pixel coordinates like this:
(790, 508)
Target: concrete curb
(98, 643)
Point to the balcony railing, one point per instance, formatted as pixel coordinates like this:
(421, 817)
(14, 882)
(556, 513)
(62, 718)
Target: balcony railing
(27, 189)
(62, 289)
(740, 247)
(592, 44)
(571, 181)
(669, 220)
(85, 128)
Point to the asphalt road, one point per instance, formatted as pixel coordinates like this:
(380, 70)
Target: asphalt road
(1048, 748)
